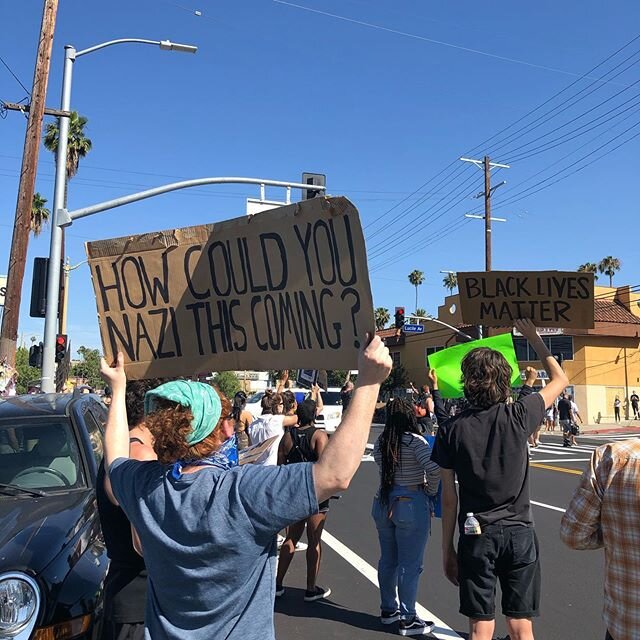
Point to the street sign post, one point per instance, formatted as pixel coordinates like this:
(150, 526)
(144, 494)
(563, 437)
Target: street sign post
(413, 328)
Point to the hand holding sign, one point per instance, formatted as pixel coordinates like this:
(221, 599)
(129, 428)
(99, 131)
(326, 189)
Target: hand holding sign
(114, 374)
(374, 363)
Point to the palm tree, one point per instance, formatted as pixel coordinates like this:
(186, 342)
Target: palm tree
(382, 318)
(39, 214)
(609, 266)
(420, 313)
(450, 281)
(589, 267)
(416, 278)
(78, 144)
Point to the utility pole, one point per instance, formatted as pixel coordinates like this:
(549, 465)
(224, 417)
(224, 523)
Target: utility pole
(486, 165)
(22, 224)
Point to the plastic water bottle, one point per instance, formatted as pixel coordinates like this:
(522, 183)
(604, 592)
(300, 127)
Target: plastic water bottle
(471, 526)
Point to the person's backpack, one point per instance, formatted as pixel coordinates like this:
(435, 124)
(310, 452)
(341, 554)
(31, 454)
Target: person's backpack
(302, 451)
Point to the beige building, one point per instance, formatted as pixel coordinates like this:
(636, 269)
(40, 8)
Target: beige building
(602, 363)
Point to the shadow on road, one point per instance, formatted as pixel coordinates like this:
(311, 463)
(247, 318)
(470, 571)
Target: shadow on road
(292, 604)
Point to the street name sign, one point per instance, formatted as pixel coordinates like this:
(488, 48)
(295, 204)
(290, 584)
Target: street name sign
(413, 328)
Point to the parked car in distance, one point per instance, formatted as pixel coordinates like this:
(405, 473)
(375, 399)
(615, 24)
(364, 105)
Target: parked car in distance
(53, 560)
(331, 415)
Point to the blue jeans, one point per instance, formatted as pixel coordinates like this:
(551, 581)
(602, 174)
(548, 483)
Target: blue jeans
(403, 530)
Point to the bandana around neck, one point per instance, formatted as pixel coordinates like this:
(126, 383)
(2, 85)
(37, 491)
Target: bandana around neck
(226, 457)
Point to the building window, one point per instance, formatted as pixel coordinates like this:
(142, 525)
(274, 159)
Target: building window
(431, 350)
(395, 358)
(558, 345)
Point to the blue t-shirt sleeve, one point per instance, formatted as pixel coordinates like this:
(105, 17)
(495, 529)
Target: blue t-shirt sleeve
(276, 496)
(122, 474)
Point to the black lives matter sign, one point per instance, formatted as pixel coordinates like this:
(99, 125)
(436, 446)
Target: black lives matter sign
(548, 298)
(287, 288)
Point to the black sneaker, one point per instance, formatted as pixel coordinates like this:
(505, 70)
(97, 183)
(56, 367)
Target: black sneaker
(389, 617)
(279, 590)
(415, 627)
(317, 594)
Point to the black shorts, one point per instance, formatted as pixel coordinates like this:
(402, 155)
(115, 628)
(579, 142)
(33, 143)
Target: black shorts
(508, 554)
(323, 507)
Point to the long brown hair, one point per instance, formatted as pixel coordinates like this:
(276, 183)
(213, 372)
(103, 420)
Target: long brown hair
(170, 424)
(486, 376)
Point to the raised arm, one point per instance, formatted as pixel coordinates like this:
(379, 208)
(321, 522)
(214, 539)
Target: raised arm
(438, 402)
(557, 377)
(316, 395)
(282, 383)
(342, 455)
(116, 437)
(530, 379)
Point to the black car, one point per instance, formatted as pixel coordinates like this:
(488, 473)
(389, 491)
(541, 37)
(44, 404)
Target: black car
(52, 556)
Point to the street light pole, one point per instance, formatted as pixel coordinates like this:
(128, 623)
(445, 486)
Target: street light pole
(55, 250)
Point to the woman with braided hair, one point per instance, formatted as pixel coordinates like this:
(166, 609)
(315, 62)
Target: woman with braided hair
(402, 513)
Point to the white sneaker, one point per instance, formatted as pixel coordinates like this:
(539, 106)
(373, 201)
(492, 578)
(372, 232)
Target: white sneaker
(301, 546)
(280, 540)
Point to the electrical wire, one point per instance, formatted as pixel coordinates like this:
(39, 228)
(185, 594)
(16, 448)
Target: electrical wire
(15, 76)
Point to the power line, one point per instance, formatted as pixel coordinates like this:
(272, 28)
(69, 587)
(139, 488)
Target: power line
(416, 36)
(15, 76)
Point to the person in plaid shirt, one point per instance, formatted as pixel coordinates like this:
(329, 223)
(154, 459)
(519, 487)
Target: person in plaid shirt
(605, 512)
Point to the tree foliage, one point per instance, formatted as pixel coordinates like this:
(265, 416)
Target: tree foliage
(450, 281)
(382, 318)
(421, 313)
(589, 267)
(78, 145)
(416, 278)
(39, 214)
(228, 383)
(26, 374)
(89, 367)
(398, 379)
(609, 266)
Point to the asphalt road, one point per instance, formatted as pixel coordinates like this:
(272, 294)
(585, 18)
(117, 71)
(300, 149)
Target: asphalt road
(571, 580)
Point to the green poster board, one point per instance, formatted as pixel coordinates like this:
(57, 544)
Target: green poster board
(447, 363)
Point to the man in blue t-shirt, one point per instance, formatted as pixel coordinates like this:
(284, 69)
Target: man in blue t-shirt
(207, 527)
(485, 447)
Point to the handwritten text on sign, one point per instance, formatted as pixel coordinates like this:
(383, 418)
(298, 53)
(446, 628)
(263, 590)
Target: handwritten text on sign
(549, 298)
(287, 288)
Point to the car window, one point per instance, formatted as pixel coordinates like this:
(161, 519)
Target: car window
(40, 454)
(331, 397)
(96, 434)
(256, 397)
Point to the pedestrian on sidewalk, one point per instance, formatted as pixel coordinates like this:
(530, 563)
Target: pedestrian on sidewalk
(635, 401)
(605, 512)
(304, 443)
(485, 447)
(616, 408)
(208, 526)
(402, 514)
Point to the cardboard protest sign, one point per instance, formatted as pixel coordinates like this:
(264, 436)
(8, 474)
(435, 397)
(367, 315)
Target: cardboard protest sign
(286, 288)
(548, 298)
(255, 452)
(447, 362)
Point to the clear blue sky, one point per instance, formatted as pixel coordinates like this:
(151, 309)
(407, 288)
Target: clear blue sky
(275, 90)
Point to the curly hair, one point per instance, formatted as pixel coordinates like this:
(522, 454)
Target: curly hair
(170, 424)
(486, 376)
(134, 398)
(401, 419)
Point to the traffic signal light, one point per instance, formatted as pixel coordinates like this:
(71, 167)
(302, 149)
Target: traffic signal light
(399, 317)
(35, 355)
(318, 179)
(61, 347)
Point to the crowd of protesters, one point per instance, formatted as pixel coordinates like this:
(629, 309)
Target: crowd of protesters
(173, 485)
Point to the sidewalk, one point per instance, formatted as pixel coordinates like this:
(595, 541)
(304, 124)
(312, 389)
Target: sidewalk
(631, 426)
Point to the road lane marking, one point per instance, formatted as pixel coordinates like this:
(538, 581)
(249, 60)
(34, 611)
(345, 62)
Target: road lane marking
(562, 460)
(547, 506)
(441, 631)
(561, 469)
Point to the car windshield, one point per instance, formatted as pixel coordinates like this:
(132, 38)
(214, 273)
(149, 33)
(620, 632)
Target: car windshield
(256, 397)
(331, 397)
(39, 454)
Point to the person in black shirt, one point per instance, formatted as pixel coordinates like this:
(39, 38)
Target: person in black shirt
(485, 446)
(565, 417)
(125, 588)
(635, 401)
